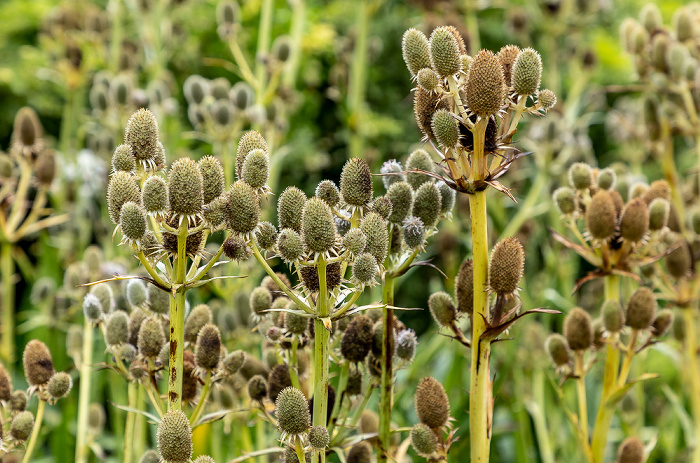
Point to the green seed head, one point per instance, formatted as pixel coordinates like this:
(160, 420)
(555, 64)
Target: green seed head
(558, 349)
(142, 135)
(658, 214)
(154, 196)
(92, 307)
(356, 182)
(319, 438)
(442, 308)
(317, 225)
(428, 79)
(207, 351)
(256, 168)
(204, 459)
(660, 45)
(136, 319)
(464, 287)
(662, 323)
(486, 88)
(242, 208)
(45, 167)
(266, 235)
(360, 453)
(392, 167)
(634, 222)
(185, 188)
(356, 341)
(580, 175)
(382, 205)
(251, 140)
(293, 322)
(38, 365)
(527, 72)
(150, 456)
(290, 245)
(328, 191)
(215, 211)
(607, 178)
(657, 189)
(444, 52)
(578, 329)
(364, 269)
(132, 221)
(199, 316)
(684, 25)
(289, 208)
(257, 388)
(122, 189)
(292, 410)
(631, 450)
(641, 309)
(136, 293)
(401, 196)
(96, 418)
(507, 56)
(6, 166)
(355, 241)
(601, 216)
(506, 266)
(260, 300)
(117, 328)
(159, 300)
(5, 385)
(677, 56)
(546, 99)
(448, 195)
(233, 362)
(27, 129)
(243, 97)
(423, 439)
(413, 232)
(406, 345)
(60, 385)
(374, 227)
(151, 338)
(212, 178)
(196, 88)
(22, 426)
(445, 128)
(121, 90)
(18, 401)
(432, 404)
(175, 437)
(419, 159)
(415, 50)
(354, 386)
(565, 199)
(613, 316)
(650, 17)
(428, 204)
(99, 97)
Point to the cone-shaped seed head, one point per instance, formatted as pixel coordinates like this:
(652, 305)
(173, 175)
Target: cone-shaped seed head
(401, 196)
(136, 319)
(631, 450)
(565, 199)
(679, 261)
(215, 212)
(318, 437)
(278, 380)
(136, 293)
(292, 411)
(151, 338)
(423, 439)
(18, 401)
(442, 308)
(650, 17)
(601, 216)
(413, 232)
(354, 382)
(5, 384)
(295, 323)
(641, 309)
(22, 426)
(382, 206)
(427, 204)
(60, 385)
(266, 235)
(260, 300)
(658, 213)
(578, 329)
(235, 248)
(425, 104)
(242, 209)
(558, 349)
(117, 328)
(580, 175)
(92, 307)
(428, 79)
(662, 323)
(364, 269)
(613, 316)
(45, 168)
(185, 187)
(317, 225)
(395, 167)
(432, 404)
(406, 345)
(547, 99)
(175, 437)
(464, 287)
(415, 50)
(150, 456)
(634, 221)
(132, 221)
(444, 52)
(212, 178)
(486, 89)
(374, 227)
(445, 128)
(207, 350)
(356, 182)
(196, 88)
(355, 241)
(142, 135)
(289, 245)
(506, 266)
(356, 341)
(507, 56)
(251, 140)
(607, 179)
(256, 168)
(199, 316)
(289, 207)
(527, 72)
(27, 128)
(360, 453)
(38, 365)
(328, 191)
(154, 196)
(122, 189)
(243, 96)
(234, 361)
(448, 195)
(257, 388)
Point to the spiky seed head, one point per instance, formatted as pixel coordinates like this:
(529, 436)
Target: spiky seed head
(634, 222)
(601, 216)
(142, 135)
(464, 287)
(442, 308)
(432, 404)
(233, 361)
(92, 307)
(242, 208)
(395, 168)
(235, 248)
(527, 72)
(565, 199)
(607, 178)
(22, 426)
(196, 88)
(427, 204)
(631, 450)
(448, 195)
(580, 175)
(684, 25)
(317, 225)
(290, 245)
(641, 309)
(415, 50)
(401, 196)
(175, 437)
(27, 130)
(215, 212)
(423, 439)
(256, 168)
(547, 99)
(486, 88)
(292, 411)
(444, 52)
(60, 385)
(356, 341)
(445, 128)
(122, 189)
(662, 323)
(425, 104)
(260, 300)
(6, 166)
(295, 323)
(126, 352)
(18, 401)
(132, 221)
(406, 345)
(136, 319)
(558, 349)
(160, 155)
(507, 56)
(185, 193)
(257, 388)
(578, 329)
(328, 191)
(99, 97)
(266, 235)
(136, 293)
(374, 227)
(506, 266)
(278, 380)
(657, 189)
(199, 316)
(38, 365)
(5, 384)
(428, 79)
(356, 182)
(150, 456)
(650, 17)
(204, 459)
(355, 241)
(251, 140)
(117, 328)
(207, 351)
(360, 453)
(364, 269)
(154, 195)
(354, 386)
(45, 167)
(613, 316)
(382, 205)
(289, 207)
(658, 214)
(212, 178)
(413, 232)
(151, 338)
(318, 437)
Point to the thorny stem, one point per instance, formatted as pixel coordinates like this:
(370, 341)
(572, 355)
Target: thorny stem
(84, 393)
(321, 353)
(35, 432)
(386, 391)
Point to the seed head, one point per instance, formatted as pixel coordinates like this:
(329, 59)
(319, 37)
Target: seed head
(151, 338)
(290, 245)
(444, 52)
(256, 168)
(260, 300)
(328, 191)
(546, 99)
(136, 293)
(565, 199)
(650, 17)
(658, 214)
(578, 329)
(99, 98)
(631, 450)
(92, 307)
(428, 204)
(641, 309)
(292, 410)
(150, 456)
(243, 208)
(121, 90)
(38, 365)
(154, 196)
(204, 459)
(401, 196)
(257, 388)
(613, 316)
(18, 401)
(415, 50)
(423, 439)
(364, 269)
(406, 345)
(607, 178)
(527, 72)
(318, 226)
(580, 175)
(354, 386)
(212, 178)
(464, 287)
(159, 300)
(278, 380)
(634, 221)
(355, 241)
(445, 128)
(319, 438)
(382, 206)
(507, 56)
(117, 328)
(142, 135)
(432, 404)
(235, 248)
(175, 437)
(22, 426)
(413, 232)
(374, 227)
(428, 79)
(185, 188)
(506, 266)
(394, 167)
(27, 132)
(136, 319)
(356, 182)
(662, 323)
(132, 221)
(360, 453)
(196, 88)
(486, 89)
(233, 362)
(289, 208)
(293, 322)
(207, 351)
(122, 189)
(679, 262)
(356, 341)
(442, 308)
(45, 167)
(558, 349)
(60, 385)
(5, 384)
(199, 316)
(425, 104)
(266, 235)
(601, 216)
(448, 196)
(251, 140)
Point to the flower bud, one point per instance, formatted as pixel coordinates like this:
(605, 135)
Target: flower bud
(558, 349)
(154, 196)
(150, 338)
(60, 385)
(328, 192)
(289, 245)
(257, 388)
(185, 188)
(289, 207)
(243, 208)
(392, 167)
(117, 328)
(607, 179)
(428, 79)
(354, 386)
(251, 140)
(507, 56)
(427, 204)
(580, 175)
(486, 90)
(578, 329)
(415, 50)
(374, 227)
(565, 199)
(136, 293)
(220, 88)
(38, 365)
(662, 323)
(255, 170)
(356, 182)
(22, 426)
(142, 135)
(175, 437)
(658, 214)
(613, 316)
(212, 178)
(293, 322)
(292, 411)
(406, 345)
(356, 341)
(159, 300)
(506, 266)
(382, 206)
(355, 241)
(634, 222)
(601, 216)
(444, 52)
(132, 221)
(266, 235)
(364, 269)
(199, 316)
(401, 196)
(122, 189)
(235, 248)
(527, 72)
(631, 450)
(260, 300)
(445, 128)
(442, 308)
(92, 307)
(641, 309)
(423, 439)
(318, 226)
(432, 404)
(207, 350)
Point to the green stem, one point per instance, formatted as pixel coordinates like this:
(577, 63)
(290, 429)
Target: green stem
(263, 48)
(472, 23)
(260, 439)
(322, 351)
(261, 260)
(35, 432)
(8, 303)
(81, 447)
(340, 394)
(130, 424)
(691, 352)
(537, 413)
(293, 363)
(579, 371)
(358, 79)
(202, 399)
(386, 391)
(627, 362)
(296, 32)
(177, 323)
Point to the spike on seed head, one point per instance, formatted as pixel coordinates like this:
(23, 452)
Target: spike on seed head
(318, 226)
(641, 309)
(485, 90)
(356, 182)
(415, 50)
(558, 349)
(634, 221)
(175, 437)
(38, 365)
(578, 329)
(423, 439)
(442, 308)
(601, 216)
(506, 266)
(507, 56)
(432, 404)
(444, 52)
(122, 189)
(292, 411)
(527, 72)
(631, 450)
(613, 316)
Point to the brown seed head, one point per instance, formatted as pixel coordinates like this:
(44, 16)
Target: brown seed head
(432, 404)
(506, 267)
(38, 365)
(507, 57)
(601, 216)
(578, 329)
(634, 222)
(641, 309)
(485, 85)
(631, 451)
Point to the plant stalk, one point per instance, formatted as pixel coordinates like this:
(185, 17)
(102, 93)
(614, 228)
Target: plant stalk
(177, 323)
(386, 391)
(130, 424)
(81, 447)
(35, 432)
(321, 353)
(8, 303)
(691, 351)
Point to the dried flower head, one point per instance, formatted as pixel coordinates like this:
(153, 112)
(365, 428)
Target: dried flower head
(641, 309)
(432, 404)
(486, 91)
(442, 308)
(506, 266)
(578, 329)
(175, 437)
(356, 341)
(38, 364)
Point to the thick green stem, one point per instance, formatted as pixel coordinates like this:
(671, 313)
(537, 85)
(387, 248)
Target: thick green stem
(130, 423)
(81, 448)
(537, 411)
(579, 371)
(8, 303)
(293, 363)
(321, 353)
(340, 394)
(35, 432)
(177, 323)
(296, 31)
(202, 399)
(691, 352)
(386, 391)
(263, 47)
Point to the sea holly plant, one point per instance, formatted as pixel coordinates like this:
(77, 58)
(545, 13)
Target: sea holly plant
(468, 109)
